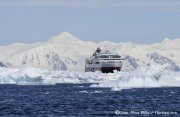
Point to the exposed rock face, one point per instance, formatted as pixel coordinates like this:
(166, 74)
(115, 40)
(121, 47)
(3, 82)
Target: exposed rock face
(131, 61)
(164, 60)
(55, 62)
(2, 64)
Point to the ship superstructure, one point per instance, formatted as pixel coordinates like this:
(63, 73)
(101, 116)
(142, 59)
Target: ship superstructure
(103, 61)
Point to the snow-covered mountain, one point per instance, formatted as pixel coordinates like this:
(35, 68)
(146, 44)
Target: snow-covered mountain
(67, 52)
(2, 64)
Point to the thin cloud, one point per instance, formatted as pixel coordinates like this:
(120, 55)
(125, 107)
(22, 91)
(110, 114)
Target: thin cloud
(90, 3)
(59, 3)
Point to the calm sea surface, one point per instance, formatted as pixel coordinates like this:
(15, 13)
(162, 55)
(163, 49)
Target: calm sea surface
(83, 101)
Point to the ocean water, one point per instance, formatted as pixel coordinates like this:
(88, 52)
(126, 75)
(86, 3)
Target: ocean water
(85, 101)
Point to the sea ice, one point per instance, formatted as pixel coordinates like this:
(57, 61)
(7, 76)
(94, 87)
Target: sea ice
(152, 76)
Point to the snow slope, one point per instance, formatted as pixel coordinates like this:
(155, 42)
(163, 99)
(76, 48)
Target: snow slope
(67, 52)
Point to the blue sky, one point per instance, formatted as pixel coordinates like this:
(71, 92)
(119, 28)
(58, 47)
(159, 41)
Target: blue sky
(139, 21)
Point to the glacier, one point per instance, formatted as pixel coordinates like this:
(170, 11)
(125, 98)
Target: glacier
(142, 77)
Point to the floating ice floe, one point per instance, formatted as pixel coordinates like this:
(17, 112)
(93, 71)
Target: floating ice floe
(153, 76)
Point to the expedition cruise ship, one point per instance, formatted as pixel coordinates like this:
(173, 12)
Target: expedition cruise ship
(103, 61)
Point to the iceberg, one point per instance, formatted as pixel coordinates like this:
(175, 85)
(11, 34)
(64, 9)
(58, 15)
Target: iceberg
(152, 76)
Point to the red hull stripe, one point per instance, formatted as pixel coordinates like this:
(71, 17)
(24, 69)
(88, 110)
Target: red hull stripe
(110, 68)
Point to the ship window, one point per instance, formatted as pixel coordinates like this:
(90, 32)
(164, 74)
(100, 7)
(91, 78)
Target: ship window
(115, 56)
(97, 62)
(104, 56)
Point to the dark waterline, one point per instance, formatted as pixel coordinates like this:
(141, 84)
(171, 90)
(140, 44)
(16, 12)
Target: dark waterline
(82, 100)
